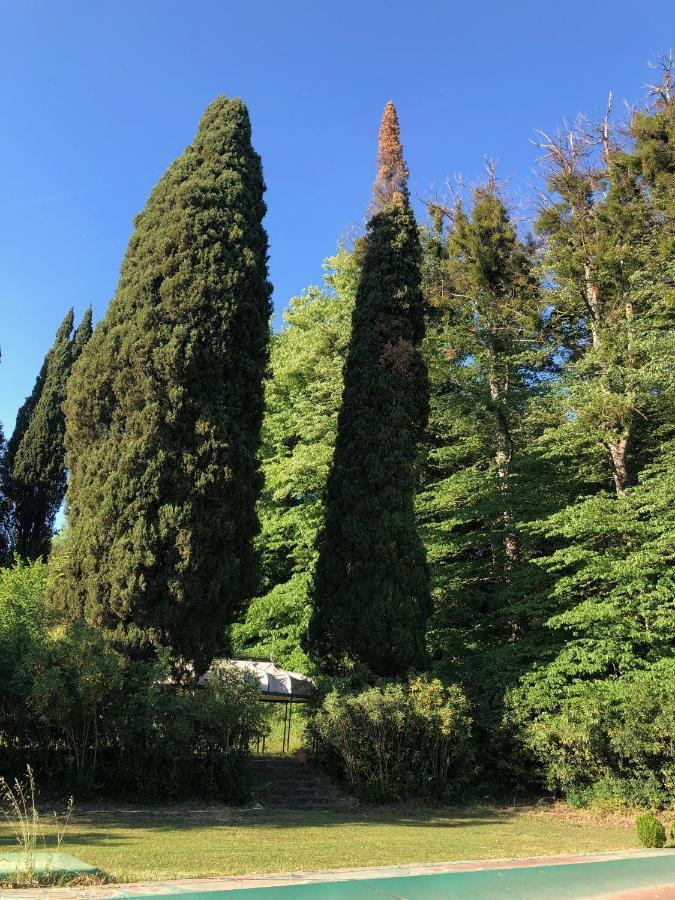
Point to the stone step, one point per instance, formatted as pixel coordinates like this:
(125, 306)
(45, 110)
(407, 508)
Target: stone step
(287, 783)
(291, 782)
(298, 791)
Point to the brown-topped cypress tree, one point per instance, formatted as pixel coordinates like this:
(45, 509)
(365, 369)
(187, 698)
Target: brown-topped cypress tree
(164, 410)
(370, 592)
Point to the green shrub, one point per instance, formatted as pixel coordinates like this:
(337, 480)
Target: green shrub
(89, 721)
(608, 745)
(396, 740)
(175, 742)
(650, 831)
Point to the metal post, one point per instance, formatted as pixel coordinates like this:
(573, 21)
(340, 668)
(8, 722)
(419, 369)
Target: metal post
(290, 717)
(283, 741)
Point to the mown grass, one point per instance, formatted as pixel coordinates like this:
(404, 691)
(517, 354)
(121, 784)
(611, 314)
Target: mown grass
(180, 842)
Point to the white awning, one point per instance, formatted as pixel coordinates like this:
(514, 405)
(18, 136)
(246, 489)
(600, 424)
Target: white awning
(272, 680)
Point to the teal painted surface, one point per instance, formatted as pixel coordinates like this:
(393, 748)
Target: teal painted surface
(43, 863)
(541, 882)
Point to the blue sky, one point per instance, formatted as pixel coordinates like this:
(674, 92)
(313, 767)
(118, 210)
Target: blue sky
(97, 98)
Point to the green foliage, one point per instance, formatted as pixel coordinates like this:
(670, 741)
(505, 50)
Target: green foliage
(177, 743)
(302, 399)
(4, 503)
(22, 618)
(370, 594)
(396, 740)
(540, 485)
(597, 709)
(56, 679)
(164, 410)
(615, 332)
(614, 576)
(650, 831)
(608, 740)
(653, 160)
(88, 719)
(485, 478)
(34, 467)
(73, 681)
(276, 624)
(602, 606)
(544, 495)
(486, 357)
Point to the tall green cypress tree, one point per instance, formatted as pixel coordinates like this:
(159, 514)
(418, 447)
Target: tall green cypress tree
(35, 474)
(165, 405)
(370, 592)
(27, 408)
(82, 335)
(4, 504)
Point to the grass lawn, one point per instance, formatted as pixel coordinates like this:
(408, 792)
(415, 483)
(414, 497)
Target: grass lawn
(179, 842)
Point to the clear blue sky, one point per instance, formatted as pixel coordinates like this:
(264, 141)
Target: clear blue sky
(98, 96)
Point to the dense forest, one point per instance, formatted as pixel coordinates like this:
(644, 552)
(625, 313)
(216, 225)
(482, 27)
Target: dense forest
(457, 499)
(545, 491)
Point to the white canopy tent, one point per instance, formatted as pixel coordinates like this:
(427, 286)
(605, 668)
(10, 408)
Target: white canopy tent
(273, 682)
(274, 685)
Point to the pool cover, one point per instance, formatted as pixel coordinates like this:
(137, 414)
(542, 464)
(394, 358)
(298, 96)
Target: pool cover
(61, 865)
(605, 878)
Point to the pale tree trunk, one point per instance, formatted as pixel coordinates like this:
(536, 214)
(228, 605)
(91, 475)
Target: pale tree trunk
(616, 449)
(503, 455)
(592, 291)
(617, 454)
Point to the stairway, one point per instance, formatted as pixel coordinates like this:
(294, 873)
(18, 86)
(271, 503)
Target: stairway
(283, 782)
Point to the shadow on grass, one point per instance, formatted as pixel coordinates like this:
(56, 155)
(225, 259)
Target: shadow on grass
(9, 844)
(177, 819)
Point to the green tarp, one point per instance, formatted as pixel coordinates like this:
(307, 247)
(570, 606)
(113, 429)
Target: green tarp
(549, 882)
(42, 863)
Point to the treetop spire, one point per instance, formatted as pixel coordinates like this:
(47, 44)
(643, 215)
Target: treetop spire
(391, 184)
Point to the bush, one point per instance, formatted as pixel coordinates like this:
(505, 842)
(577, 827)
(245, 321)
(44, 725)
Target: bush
(650, 831)
(396, 740)
(90, 721)
(610, 744)
(172, 742)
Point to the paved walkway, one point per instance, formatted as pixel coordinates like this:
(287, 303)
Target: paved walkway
(621, 876)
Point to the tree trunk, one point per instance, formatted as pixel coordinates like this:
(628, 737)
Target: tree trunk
(617, 449)
(503, 456)
(592, 290)
(617, 455)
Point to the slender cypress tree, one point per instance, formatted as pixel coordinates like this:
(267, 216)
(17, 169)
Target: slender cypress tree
(27, 408)
(165, 406)
(82, 335)
(35, 474)
(4, 504)
(370, 592)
